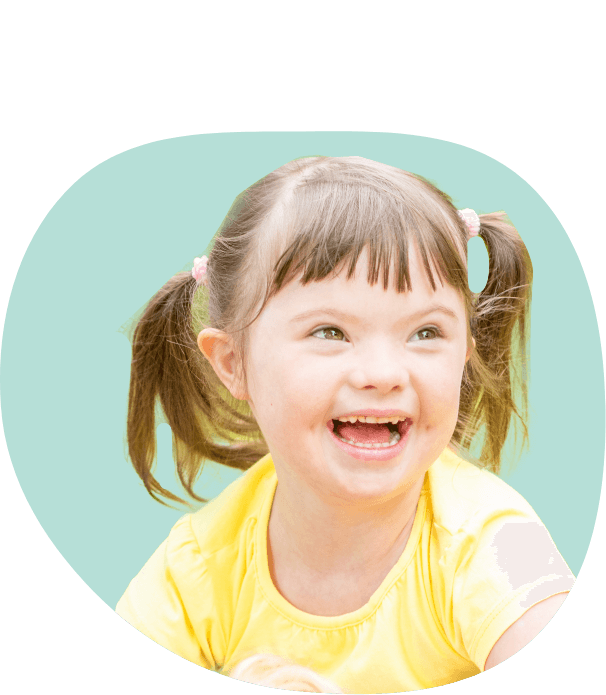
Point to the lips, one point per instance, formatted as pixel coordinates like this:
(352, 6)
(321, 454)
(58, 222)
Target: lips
(371, 437)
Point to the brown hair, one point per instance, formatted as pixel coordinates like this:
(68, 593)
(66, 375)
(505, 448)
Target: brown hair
(310, 219)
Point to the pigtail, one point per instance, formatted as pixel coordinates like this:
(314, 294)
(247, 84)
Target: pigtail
(168, 369)
(494, 392)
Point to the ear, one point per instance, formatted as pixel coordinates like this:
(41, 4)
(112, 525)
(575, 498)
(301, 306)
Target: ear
(218, 348)
(470, 349)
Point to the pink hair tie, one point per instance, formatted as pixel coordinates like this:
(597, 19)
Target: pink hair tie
(471, 220)
(199, 270)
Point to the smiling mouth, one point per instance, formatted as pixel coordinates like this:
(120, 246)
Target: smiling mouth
(369, 438)
(396, 431)
(399, 427)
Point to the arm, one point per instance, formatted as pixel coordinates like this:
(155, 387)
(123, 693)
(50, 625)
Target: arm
(524, 630)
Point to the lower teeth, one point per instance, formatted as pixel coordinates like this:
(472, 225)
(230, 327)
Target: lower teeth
(394, 438)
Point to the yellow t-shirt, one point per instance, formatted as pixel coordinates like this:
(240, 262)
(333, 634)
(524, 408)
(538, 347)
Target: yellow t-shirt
(478, 557)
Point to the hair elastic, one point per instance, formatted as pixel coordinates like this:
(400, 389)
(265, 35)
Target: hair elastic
(471, 220)
(199, 270)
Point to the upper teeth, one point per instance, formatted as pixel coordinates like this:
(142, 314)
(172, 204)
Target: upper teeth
(363, 418)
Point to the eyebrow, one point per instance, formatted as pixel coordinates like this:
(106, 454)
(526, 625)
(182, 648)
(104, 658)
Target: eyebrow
(342, 316)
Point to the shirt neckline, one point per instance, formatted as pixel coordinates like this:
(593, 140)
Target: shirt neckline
(295, 615)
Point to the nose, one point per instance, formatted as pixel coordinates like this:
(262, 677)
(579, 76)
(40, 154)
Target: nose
(380, 367)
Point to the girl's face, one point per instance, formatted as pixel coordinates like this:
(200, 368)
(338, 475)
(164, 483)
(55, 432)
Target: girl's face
(339, 349)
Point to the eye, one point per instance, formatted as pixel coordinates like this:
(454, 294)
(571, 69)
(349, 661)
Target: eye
(428, 333)
(327, 329)
(437, 333)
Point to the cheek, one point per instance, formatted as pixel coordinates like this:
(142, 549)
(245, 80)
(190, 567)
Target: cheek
(287, 390)
(307, 387)
(440, 392)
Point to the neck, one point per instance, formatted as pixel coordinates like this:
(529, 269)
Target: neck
(324, 541)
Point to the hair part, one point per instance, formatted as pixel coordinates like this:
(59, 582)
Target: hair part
(309, 220)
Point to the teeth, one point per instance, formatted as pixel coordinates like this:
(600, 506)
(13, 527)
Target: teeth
(362, 418)
(394, 438)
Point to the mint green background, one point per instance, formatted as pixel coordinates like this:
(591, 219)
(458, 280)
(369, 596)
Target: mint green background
(124, 228)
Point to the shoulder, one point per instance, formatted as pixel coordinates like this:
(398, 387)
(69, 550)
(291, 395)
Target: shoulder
(224, 525)
(221, 520)
(495, 557)
(463, 495)
(481, 525)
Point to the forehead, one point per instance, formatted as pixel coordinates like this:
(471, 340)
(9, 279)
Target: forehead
(359, 296)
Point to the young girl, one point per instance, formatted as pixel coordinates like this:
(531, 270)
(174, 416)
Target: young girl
(331, 347)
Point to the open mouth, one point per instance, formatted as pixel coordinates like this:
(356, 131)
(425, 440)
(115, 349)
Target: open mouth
(369, 432)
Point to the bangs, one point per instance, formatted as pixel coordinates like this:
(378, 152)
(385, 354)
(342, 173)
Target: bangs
(325, 226)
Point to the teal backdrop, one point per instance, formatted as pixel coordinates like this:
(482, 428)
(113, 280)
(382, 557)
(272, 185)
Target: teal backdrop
(124, 228)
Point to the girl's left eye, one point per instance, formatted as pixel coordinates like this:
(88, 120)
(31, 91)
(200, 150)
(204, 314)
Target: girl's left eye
(436, 331)
(329, 333)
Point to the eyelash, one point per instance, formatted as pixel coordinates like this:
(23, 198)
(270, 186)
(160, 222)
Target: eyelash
(437, 332)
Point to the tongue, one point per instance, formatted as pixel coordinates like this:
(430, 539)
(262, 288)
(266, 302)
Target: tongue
(363, 432)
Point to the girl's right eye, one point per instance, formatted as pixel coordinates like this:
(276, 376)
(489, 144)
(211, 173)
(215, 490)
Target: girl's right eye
(328, 328)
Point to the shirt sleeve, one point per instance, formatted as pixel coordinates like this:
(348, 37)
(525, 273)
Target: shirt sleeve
(502, 564)
(153, 603)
